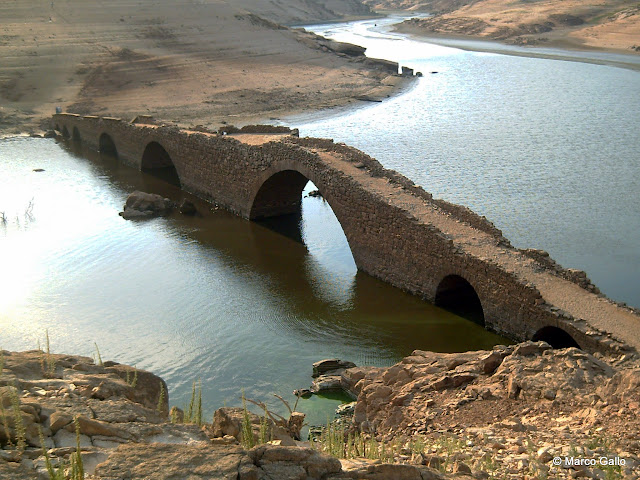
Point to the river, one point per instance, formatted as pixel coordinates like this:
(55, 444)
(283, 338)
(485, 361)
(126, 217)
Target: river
(544, 147)
(249, 306)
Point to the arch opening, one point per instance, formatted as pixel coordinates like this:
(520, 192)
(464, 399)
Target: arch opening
(556, 337)
(280, 194)
(75, 136)
(65, 132)
(290, 204)
(457, 295)
(107, 145)
(157, 162)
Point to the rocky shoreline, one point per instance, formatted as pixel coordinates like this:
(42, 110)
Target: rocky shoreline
(505, 413)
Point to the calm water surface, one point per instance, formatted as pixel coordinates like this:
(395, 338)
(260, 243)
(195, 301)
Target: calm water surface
(546, 149)
(234, 303)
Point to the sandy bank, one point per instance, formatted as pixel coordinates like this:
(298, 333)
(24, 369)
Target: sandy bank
(560, 49)
(191, 62)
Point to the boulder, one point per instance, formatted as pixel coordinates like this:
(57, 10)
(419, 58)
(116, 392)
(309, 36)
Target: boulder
(165, 461)
(286, 463)
(14, 471)
(148, 387)
(145, 205)
(187, 207)
(326, 383)
(330, 364)
(365, 469)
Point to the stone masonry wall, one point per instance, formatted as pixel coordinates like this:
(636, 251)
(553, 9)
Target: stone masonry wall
(386, 242)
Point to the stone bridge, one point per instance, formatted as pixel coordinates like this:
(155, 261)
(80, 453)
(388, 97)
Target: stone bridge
(397, 232)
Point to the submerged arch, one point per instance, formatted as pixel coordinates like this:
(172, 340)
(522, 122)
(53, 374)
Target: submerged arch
(156, 161)
(107, 145)
(556, 337)
(280, 194)
(457, 295)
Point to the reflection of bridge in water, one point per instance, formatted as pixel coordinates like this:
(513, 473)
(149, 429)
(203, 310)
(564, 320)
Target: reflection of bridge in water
(396, 231)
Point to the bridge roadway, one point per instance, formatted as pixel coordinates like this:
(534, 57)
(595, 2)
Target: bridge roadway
(396, 231)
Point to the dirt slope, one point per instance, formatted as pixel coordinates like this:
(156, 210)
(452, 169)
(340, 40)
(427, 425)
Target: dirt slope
(192, 61)
(292, 12)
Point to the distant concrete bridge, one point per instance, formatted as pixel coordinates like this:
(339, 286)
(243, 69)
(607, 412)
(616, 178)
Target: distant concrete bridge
(396, 231)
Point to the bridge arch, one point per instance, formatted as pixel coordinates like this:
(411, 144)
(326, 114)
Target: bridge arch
(556, 337)
(65, 132)
(279, 192)
(75, 136)
(456, 294)
(156, 161)
(107, 146)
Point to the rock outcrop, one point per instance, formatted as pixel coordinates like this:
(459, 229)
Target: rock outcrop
(507, 413)
(119, 417)
(510, 410)
(145, 205)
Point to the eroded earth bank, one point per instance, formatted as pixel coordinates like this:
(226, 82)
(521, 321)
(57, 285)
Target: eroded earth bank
(192, 62)
(505, 413)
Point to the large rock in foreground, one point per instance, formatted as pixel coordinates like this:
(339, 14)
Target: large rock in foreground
(121, 414)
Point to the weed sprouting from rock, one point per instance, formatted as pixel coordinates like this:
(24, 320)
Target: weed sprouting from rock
(98, 357)
(18, 423)
(246, 430)
(132, 379)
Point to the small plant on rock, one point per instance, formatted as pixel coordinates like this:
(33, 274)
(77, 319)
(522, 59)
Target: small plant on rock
(160, 406)
(246, 429)
(132, 380)
(5, 424)
(98, 357)
(18, 423)
(47, 360)
(193, 412)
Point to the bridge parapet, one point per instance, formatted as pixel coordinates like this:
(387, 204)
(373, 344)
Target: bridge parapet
(397, 232)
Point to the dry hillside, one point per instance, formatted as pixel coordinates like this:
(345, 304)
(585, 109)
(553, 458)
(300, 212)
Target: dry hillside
(191, 61)
(292, 12)
(609, 24)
